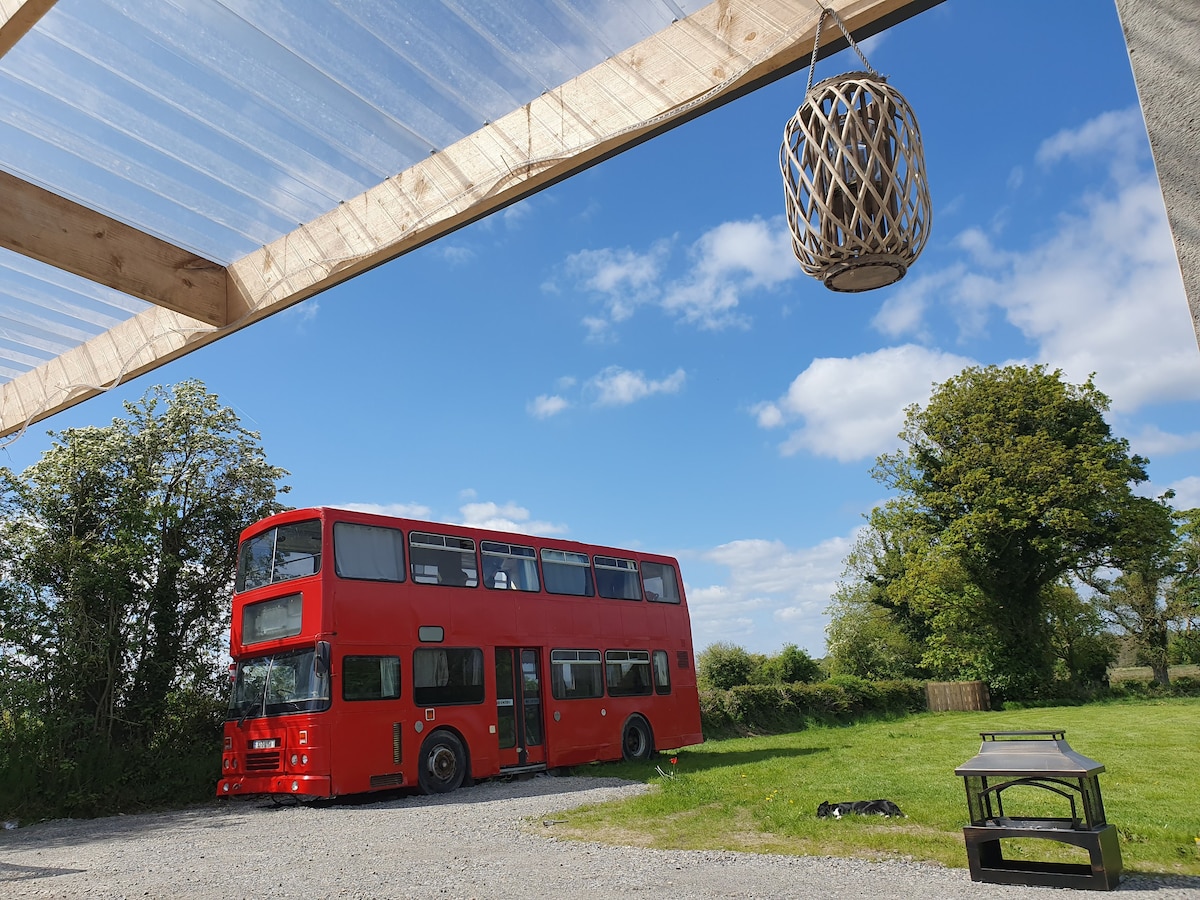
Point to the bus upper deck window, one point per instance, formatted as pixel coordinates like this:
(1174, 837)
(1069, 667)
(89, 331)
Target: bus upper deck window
(369, 552)
(279, 554)
(509, 567)
(442, 559)
(617, 579)
(567, 572)
(659, 582)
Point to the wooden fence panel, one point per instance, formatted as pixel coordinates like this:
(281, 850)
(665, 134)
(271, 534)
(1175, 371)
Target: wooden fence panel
(957, 695)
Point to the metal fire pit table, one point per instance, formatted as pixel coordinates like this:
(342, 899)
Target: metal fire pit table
(1042, 760)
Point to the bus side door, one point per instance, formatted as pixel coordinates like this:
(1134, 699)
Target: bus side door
(519, 707)
(365, 748)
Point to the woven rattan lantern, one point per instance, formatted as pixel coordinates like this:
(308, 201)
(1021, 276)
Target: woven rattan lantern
(854, 179)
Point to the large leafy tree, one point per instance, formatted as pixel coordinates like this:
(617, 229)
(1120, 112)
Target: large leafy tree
(863, 639)
(118, 550)
(1155, 590)
(1015, 475)
(1183, 593)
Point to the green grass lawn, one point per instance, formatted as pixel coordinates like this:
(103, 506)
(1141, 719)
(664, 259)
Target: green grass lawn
(761, 794)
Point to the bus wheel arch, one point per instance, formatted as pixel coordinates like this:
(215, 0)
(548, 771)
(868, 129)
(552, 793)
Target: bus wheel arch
(637, 740)
(443, 765)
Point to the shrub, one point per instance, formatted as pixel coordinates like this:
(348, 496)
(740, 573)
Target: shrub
(722, 666)
(774, 709)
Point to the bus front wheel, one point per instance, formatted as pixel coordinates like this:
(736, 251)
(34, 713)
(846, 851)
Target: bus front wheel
(443, 764)
(636, 742)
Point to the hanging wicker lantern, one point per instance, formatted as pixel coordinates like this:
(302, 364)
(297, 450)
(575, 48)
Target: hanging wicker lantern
(854, 179)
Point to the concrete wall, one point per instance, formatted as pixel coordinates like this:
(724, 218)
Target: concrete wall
(1163, 37)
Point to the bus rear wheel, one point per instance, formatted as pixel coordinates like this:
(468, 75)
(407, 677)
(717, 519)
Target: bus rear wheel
(636, 742)
(443, 764)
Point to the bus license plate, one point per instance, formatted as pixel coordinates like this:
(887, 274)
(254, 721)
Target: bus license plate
(264, 744)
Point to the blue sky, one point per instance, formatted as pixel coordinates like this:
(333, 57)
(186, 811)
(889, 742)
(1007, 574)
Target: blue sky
(633, 357)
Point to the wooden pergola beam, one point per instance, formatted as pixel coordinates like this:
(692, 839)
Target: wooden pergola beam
(64, 234)
(723, 51)
(17, 17)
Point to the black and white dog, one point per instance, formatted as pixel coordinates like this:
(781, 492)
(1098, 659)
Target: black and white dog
(858, 807)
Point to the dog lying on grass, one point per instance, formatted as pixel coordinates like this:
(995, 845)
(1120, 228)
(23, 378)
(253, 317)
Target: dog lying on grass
(860, 808)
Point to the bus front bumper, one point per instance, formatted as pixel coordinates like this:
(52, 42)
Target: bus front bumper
(301, 785)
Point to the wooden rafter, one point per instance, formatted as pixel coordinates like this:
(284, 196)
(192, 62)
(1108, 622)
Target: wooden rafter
(723, 51)
(17, 17)
(60, 232)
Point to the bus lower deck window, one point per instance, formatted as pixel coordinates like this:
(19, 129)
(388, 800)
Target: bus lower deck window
(445, 676)
(576, 674)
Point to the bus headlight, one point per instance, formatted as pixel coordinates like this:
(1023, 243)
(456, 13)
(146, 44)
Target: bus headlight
(304, 760)
(295, 759)
(295, 785)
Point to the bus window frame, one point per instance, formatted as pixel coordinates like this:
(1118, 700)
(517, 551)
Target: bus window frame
(425, 703)
(572, 559)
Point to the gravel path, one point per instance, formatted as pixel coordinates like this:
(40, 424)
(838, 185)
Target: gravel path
(473, 843)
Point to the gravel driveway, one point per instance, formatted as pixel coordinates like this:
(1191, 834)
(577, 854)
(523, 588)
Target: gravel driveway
(473, 843)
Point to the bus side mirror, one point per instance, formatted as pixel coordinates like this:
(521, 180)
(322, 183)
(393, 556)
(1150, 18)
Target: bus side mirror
(321, 659)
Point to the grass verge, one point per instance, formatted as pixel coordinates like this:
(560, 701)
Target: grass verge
(761, 794)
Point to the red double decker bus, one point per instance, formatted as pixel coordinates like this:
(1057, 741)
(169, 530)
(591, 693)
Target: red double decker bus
(372, 652)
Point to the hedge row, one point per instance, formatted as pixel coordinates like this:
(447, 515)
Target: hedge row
(1181, 686)
(778, 708)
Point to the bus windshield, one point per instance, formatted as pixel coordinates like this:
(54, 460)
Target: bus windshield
(279, 684)
(279, 554)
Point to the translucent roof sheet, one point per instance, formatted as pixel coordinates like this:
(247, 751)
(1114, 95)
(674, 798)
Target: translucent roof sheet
(201, 155)
(220, 126)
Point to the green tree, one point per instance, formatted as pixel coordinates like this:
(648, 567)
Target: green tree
(118, 549)
(722, 665)
(791, 665)
(1154, 594)
(864, 639)
(1016, 475)
(1083, 647)
(1183, 593)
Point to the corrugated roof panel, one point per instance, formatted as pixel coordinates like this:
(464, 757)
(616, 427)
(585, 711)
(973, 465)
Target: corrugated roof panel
(221, 125)
(45, 312)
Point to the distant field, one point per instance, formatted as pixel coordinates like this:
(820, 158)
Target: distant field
(761, 794)
(1143, 673)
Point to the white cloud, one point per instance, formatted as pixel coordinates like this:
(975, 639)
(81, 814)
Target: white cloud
(1187, 492)
(546, 405)
(620, 387)
(773, 595)
(729, 261)
(514, 215)
(1117, 137)
(1099, 292)
(456, 254)
(303, 312)
(903, 312)
(507, 517)
(853, 408)
(624, 278)
(1104, 295)
(1153, 442)
(401, 510)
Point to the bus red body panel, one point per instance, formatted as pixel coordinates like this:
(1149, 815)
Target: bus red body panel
(374, 653)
